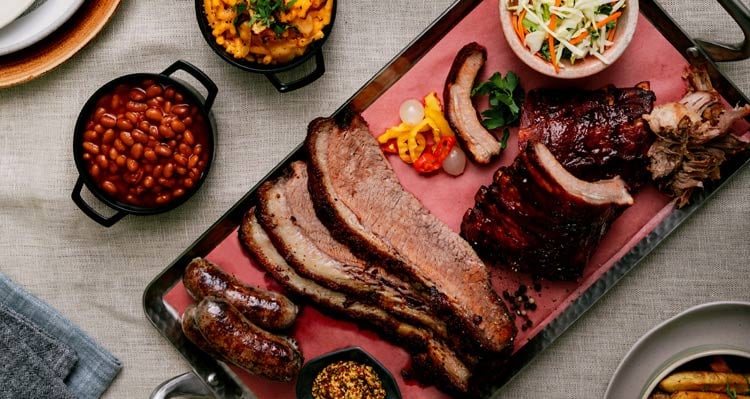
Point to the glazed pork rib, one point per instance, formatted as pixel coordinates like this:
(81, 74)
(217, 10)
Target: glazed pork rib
(359, 198)
(432, 361)
(286, 213)
(594, 134)
(536, 217)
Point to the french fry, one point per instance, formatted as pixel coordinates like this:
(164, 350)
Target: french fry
(705, 381)
(704, 395)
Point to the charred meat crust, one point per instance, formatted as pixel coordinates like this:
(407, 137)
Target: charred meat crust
(244, 344)
(526, 194)
(488, 327)
(464, 119)
(269, 310)
(194, 335)
(594, 134)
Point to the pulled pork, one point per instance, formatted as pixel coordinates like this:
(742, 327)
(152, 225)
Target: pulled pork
(693, 138)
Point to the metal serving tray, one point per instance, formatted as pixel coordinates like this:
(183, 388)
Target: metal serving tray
(212, 378)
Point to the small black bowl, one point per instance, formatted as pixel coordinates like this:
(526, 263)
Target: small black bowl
(194, 97)
(315, 49)
(312, 368)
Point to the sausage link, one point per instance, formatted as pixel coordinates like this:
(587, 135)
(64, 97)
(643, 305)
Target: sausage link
(267, 309)
(194, 335)
(244, 344)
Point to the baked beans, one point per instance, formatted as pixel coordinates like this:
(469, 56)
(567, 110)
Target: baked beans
(145, 145)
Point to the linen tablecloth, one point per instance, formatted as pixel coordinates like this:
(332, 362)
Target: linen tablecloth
(95, 276)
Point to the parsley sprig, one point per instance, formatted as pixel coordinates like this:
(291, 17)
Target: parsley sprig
(505, 96)
(262, 12)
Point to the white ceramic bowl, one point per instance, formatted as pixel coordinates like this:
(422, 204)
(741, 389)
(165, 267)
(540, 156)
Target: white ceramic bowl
(582, 68)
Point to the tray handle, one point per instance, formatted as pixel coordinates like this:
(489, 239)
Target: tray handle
(730, 52)
(184, 385)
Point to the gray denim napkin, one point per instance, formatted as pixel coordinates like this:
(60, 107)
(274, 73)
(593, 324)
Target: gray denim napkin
(53, 351)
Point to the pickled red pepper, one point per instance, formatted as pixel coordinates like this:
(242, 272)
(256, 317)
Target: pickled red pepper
(409, 142)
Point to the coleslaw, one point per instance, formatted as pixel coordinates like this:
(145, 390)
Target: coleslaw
(571, 30)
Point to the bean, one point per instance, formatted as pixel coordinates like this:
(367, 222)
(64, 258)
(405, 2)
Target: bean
(121, 160)
(188, 138)
(177, 126)
(137, 94)
(109, 187)
(180, 159)
(144, 125)
(150, 155)
(180, 170)
(188, 121)
(90, 135)
(132, 117)
(148, 182)
(115, 103)
(163, 199)
(108, 120)
(185, 149)
(99, 113)
(192, 161)
(101, 160)
(136, 151)
(166, 132)
(154, 114)
(154, 102)
(167, 107)
(94, 171)
(112, 170)
(158, 169)
(188, 183)
(164, 182)
(86, 156)
(108, 137)
(119, 145)
(172, 143)
(136, 106)
(113, 154)
(152, 142)
(98, 128)
(153, 131)
(139, 136)
(127, 139)
(178, 192)
(132, 164)
(169, 93)
(168, 170)
(163, 150)
(153, 91)
(124, 124)
(181, 110)
(90, 147)
(178, 97)
(147, 82)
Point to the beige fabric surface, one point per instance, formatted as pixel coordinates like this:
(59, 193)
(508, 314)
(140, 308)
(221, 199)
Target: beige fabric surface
(96, 276)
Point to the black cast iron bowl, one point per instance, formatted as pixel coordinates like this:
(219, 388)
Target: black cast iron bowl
(312, 368)
(270, 71)
(191, 94)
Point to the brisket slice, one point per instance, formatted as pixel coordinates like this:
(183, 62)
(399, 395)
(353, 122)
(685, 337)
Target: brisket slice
(595, 134)
(432, 361)
(286, 213)
(536, 217)
(359, 198)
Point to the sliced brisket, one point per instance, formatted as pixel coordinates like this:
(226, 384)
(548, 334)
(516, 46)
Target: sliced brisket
(286, 213)
(359, 198)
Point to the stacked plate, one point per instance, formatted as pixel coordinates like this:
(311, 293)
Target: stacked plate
(38, 35)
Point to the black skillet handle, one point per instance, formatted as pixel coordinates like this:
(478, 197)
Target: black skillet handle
(731, 52)
(90, 212)
(282, 87)
(199, 76)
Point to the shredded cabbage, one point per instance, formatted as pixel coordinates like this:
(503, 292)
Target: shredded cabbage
(582, 27)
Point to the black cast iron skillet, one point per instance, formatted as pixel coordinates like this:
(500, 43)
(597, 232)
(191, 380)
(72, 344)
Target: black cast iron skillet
(270, 71)
(193, 96)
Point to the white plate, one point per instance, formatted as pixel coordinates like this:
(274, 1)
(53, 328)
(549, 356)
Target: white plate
(11, 9)
(716, 327)
(45, 18)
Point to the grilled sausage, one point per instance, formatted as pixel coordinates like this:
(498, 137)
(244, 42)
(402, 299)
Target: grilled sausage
(267, 309)
(244, 344)
(194, 335)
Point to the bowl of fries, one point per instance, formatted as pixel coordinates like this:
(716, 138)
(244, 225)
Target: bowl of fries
(701, 353)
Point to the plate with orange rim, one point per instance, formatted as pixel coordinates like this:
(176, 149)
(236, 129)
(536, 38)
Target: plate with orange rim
(36, 60)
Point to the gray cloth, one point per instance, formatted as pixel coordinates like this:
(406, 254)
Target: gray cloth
(39, 346)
